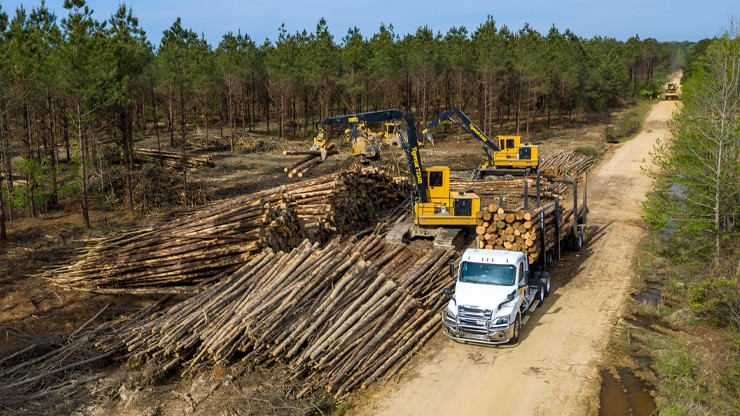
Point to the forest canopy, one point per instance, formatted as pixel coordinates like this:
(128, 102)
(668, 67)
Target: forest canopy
(70, 83)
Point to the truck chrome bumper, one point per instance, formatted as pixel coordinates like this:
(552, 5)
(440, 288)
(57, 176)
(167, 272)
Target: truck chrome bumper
(493, 336)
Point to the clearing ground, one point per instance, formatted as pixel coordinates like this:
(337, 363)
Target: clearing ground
(553, 353)
(554, 369)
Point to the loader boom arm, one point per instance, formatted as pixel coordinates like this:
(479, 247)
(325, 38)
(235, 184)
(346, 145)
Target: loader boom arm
(489, 146)
(411, 147)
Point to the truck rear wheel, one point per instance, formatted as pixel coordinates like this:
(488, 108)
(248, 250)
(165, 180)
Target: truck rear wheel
(517, 328)
(541, 292)
(545, 282)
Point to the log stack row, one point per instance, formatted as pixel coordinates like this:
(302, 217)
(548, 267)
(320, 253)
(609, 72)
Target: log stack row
(190, 250)
(175, 159)
(311, 159)
(567, 162)
(506, 192)
(346, 202)
(521, 230)
(340, 316)
(173, 255)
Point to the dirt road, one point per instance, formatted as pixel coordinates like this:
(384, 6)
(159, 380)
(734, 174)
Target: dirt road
(554, 369)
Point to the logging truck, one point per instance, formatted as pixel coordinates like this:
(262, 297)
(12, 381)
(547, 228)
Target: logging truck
(496, 289)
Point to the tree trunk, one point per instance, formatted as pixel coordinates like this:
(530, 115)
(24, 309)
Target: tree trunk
(83, 169)
(52, 152)
(171, 111)
(205, 121)
(65, 129)
(155, 120)
(3, 231)
(518, 106)
(126, 128)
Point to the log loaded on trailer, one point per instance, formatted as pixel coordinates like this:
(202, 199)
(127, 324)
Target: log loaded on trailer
(499, 283)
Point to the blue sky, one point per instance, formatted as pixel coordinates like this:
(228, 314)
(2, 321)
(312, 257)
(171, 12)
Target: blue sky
(664, 20)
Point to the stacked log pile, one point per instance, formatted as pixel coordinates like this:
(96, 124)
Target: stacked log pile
(516, 230)
(174, 255)
(505, 192)
(312, 159)
(175, 159)
(186, 251)
(346, 202)
(567, 162)
(340, 316)
(521, 230)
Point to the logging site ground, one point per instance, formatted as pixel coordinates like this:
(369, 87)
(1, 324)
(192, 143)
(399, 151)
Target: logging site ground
(554, 370)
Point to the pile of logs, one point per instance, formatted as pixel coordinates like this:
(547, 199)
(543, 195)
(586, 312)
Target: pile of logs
(172, 256)
(521, 230)
(312, 158)
(175, 159)
(567, 162)
(340, 316)
(508, 193)
(346, 202)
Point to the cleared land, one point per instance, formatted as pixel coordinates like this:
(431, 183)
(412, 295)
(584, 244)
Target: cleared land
(555, 365)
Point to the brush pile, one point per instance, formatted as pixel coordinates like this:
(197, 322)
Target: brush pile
(175, 159)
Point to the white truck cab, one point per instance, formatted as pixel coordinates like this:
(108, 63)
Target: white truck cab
(494, 291)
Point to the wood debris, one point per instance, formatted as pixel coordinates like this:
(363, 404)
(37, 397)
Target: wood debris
(175, 159)
(312, 159)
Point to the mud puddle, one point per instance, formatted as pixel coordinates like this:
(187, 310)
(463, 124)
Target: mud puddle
(627, 395)
(650, 296)
(644, 321)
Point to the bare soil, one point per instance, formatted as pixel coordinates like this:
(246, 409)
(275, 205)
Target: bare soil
(554, 370)
(553, 365)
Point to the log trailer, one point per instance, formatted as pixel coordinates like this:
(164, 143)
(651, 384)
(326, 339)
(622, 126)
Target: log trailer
(504, 156)
(496, 290)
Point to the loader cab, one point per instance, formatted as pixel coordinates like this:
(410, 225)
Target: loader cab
(390, 129)
(509, 146)
(438, 183)
(445, 207)
(514, 154)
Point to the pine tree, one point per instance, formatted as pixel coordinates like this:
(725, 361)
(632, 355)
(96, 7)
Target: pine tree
(696, 197)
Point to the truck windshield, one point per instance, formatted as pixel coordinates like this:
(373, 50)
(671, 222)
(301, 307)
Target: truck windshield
(489, 274)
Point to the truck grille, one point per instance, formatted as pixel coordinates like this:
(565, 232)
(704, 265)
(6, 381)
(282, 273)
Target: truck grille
(474, 320)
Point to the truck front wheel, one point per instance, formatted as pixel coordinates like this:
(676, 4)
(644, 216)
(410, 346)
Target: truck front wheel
(517, 328)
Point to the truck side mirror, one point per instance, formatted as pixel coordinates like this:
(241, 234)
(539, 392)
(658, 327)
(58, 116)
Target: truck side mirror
(452, 270)
(446, 293)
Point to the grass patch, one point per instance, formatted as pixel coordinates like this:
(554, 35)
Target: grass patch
(628, 123)
(589, 151)
(694, 360)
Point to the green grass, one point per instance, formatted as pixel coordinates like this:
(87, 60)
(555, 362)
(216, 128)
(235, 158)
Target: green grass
(588, 151)
(683, 392)
(696, 362)
(628, 124)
